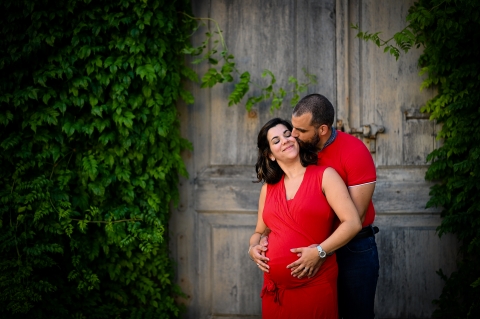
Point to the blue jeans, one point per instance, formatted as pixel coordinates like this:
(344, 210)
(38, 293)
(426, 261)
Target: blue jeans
(357, 278)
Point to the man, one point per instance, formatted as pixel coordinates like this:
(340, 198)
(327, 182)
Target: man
(358, 264)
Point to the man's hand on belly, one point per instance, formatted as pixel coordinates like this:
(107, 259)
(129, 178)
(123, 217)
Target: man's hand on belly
(308, 262)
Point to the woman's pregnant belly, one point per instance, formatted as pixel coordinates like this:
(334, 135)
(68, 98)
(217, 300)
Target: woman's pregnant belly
(280, 256)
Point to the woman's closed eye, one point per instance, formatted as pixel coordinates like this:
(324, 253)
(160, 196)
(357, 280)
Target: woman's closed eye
(286, 133)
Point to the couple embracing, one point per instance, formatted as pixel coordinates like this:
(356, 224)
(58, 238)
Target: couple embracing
(314, 238)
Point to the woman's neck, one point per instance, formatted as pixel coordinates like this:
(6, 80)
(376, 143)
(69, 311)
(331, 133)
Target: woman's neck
(292, 170)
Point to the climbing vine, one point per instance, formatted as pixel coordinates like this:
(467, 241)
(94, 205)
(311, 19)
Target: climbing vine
(449, 32)
(223, 69)
(90, 156)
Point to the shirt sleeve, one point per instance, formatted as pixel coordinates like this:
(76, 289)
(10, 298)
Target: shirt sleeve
(359, 165)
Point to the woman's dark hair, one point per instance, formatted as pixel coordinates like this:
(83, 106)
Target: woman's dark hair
(269, 171)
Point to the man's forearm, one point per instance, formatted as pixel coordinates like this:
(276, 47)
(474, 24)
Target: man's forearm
(361, 196)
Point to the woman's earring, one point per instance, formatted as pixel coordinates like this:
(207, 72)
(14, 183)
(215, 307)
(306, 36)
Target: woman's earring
(272, 159)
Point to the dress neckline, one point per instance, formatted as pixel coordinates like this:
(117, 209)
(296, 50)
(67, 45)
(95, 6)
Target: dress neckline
(299, 187)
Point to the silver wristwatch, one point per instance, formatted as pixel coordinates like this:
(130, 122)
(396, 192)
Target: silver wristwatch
(321, 252)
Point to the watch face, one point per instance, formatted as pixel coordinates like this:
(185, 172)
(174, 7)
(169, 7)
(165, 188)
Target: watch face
(321, 252)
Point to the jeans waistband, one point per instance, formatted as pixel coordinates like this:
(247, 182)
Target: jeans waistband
(366, 232)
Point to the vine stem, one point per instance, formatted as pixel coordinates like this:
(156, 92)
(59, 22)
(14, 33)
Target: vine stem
(385, 42)
(219, 31)
(216, 25)
(50, 199)
(13, 185)
(56, 164)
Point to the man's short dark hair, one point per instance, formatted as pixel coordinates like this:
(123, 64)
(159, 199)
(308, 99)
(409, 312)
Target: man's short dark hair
(320, 107)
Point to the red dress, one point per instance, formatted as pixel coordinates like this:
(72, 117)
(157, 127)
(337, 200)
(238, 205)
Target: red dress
(304, 220)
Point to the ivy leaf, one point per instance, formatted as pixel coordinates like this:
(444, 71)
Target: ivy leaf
(211, 78)
(90, 166)
(122, 173)
(146, 71)
(241, 88)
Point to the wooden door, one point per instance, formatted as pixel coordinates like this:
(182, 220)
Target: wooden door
(217, 212)
(375, 91)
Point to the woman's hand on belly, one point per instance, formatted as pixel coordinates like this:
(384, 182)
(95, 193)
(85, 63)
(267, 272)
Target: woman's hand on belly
(308, 264)
(257, 254)
(280, 254)
(280, 274)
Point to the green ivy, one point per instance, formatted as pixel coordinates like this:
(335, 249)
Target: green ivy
(90, 156)
(449, 32)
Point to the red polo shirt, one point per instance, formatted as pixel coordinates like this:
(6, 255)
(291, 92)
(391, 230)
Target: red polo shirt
(353, 162)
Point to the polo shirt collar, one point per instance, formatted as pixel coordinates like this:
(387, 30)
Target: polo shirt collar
(330, 140)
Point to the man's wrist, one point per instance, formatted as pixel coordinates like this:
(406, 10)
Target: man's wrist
(321, 253)
(328, 254)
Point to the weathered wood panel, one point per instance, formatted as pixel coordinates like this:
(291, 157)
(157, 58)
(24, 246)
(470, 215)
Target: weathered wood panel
(419, 140)
(230, 282)
(398, 190)
(410, 254)
(315, 45)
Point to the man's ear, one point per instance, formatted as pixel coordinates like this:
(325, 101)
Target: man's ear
(323, 129)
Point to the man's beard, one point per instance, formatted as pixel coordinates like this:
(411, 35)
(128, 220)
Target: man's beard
(311, 145)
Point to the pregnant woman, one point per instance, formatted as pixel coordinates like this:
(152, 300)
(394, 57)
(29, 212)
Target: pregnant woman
(298, 203)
